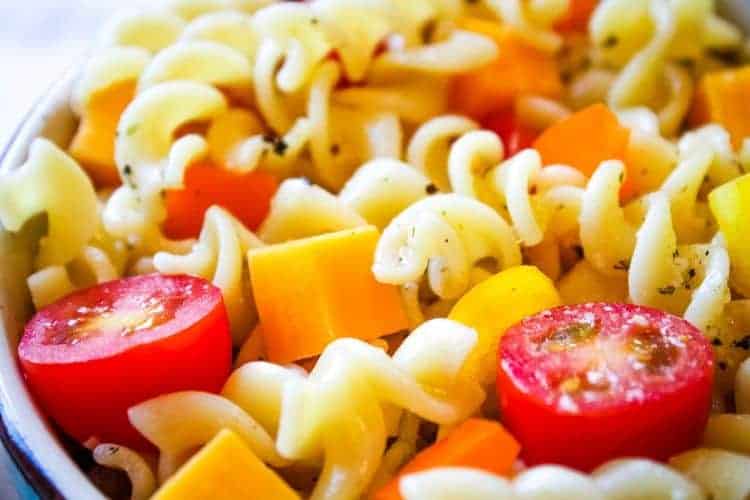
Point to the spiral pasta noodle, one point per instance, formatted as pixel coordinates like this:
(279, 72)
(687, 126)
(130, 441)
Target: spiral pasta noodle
(219, 256)
(352, 382)
(626, 478)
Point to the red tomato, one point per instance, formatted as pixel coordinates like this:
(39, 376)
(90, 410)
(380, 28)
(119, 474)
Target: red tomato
(97, 352)
(515, 135)
(246, 196)
(580, 385)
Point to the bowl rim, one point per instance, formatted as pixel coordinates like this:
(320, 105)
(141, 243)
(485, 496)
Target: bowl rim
(24, 430)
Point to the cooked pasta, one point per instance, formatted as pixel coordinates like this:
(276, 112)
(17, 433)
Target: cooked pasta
(627, 478)
(297, 229)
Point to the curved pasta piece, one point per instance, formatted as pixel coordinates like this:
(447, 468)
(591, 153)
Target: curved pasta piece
(142, 480)
(365, 29)
(35, 188)
(382, 188)
(429, 147)
(178, 423)
(301, 209)
(616, 480)
(645, 70)
(219, 256)
(230, 28)
(148, 125)
(109, 66)
(555, 206)
(607, 237)
(340, 410)
(294, 33)
(444, 235)
(722, 474)
(726, 163)
(461, 52)
(201, 61)
(51, 283)
(455, 483)
(152, 30)
(692, 279)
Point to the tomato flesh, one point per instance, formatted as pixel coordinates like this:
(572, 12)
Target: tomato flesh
(97, 352)
(580, 385)
(246, 195)
(515, 135)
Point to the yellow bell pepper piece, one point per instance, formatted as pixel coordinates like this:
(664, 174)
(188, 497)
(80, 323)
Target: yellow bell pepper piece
(94, 143)
(312, 291)
(225, 469)
(584, 284)
(496, 304)
(723, 97)
(730, 205)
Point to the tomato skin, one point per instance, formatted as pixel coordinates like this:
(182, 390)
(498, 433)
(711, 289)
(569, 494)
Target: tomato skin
(89, 395)
(667, 416)
(515, 135)
(247, 196)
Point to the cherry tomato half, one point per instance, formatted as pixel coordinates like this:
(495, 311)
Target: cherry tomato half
(246, 195)
(515, 135)
(95, 353)
(580, 385)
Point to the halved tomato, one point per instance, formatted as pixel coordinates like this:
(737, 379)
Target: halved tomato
(580, 385)
(97, 352)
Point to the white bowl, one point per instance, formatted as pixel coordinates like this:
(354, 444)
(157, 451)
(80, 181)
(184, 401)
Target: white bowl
(25, 431)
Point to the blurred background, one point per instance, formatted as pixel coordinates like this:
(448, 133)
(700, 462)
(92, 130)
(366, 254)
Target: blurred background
(39, 41)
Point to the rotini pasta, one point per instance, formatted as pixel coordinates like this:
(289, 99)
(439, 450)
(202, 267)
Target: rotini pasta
(619, 479)
(223, 140)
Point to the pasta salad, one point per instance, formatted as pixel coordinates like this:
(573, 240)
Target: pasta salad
(435, 249)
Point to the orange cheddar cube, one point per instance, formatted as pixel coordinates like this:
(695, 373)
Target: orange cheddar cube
(312, 291)
(225, 469)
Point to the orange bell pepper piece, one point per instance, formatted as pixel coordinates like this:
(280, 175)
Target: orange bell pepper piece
(312, 291)
(723, 97)
(518, 70)
(246, 195)
(477, 443)
(578, 15)
(584, 140)
(94, 143)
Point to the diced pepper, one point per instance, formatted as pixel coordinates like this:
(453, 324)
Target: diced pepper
(584, 140)
(730, 206)
(225, 469)
(312, 291)
(94, 143)
(515, 135)
(723, 97)
(519, 70)
(476, 443)
(496, 304)
(578, 15)
(246, 195)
